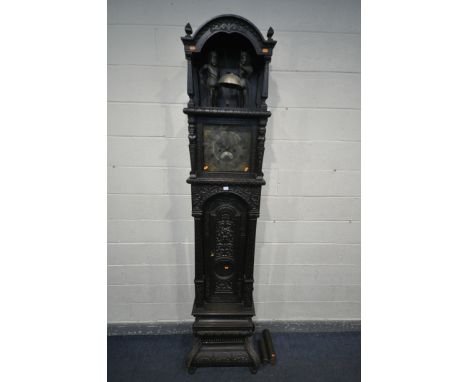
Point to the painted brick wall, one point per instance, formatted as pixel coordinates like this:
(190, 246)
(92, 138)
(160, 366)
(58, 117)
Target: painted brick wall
(308, 251)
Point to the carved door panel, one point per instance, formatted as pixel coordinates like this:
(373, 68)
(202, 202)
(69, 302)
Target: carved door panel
(225, 238)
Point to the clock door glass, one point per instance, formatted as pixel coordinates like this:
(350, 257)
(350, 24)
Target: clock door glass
(226, 148)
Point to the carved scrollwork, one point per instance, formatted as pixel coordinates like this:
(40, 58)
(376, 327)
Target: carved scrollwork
(223, 286)
(192, 143)
(225, 237)
(229, 25)
(207, 358)
(261, 143)
(201, 193)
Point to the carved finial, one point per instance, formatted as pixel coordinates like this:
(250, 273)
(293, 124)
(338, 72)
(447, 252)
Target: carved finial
(270, 33)
(188, 29)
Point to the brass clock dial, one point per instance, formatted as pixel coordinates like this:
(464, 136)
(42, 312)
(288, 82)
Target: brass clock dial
(226, 148)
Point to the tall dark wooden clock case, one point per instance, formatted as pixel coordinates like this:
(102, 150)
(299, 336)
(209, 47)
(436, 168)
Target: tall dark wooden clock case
(227, 83)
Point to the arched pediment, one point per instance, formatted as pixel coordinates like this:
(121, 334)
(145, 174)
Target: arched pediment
(228, 24)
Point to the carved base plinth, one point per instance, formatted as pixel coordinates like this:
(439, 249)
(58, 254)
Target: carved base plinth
(220, 342)
(212, 352)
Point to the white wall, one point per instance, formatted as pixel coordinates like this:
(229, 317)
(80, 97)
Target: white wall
(308, 252)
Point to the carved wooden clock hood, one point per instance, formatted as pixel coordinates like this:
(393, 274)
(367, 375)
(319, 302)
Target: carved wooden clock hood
(227, 83)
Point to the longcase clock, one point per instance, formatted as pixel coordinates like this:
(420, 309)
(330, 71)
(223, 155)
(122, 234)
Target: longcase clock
(227, 83)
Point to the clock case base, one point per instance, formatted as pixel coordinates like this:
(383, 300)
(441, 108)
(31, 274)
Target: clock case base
(223, 341)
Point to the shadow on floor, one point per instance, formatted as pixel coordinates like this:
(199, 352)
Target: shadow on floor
(318, 357)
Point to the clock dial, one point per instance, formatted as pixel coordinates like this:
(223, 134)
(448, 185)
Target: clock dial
(226, 148)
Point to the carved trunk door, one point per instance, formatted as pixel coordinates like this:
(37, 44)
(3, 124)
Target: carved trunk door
(225, 238)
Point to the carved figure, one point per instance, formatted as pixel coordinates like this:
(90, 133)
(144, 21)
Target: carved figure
(209, 77)
(245, 70)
